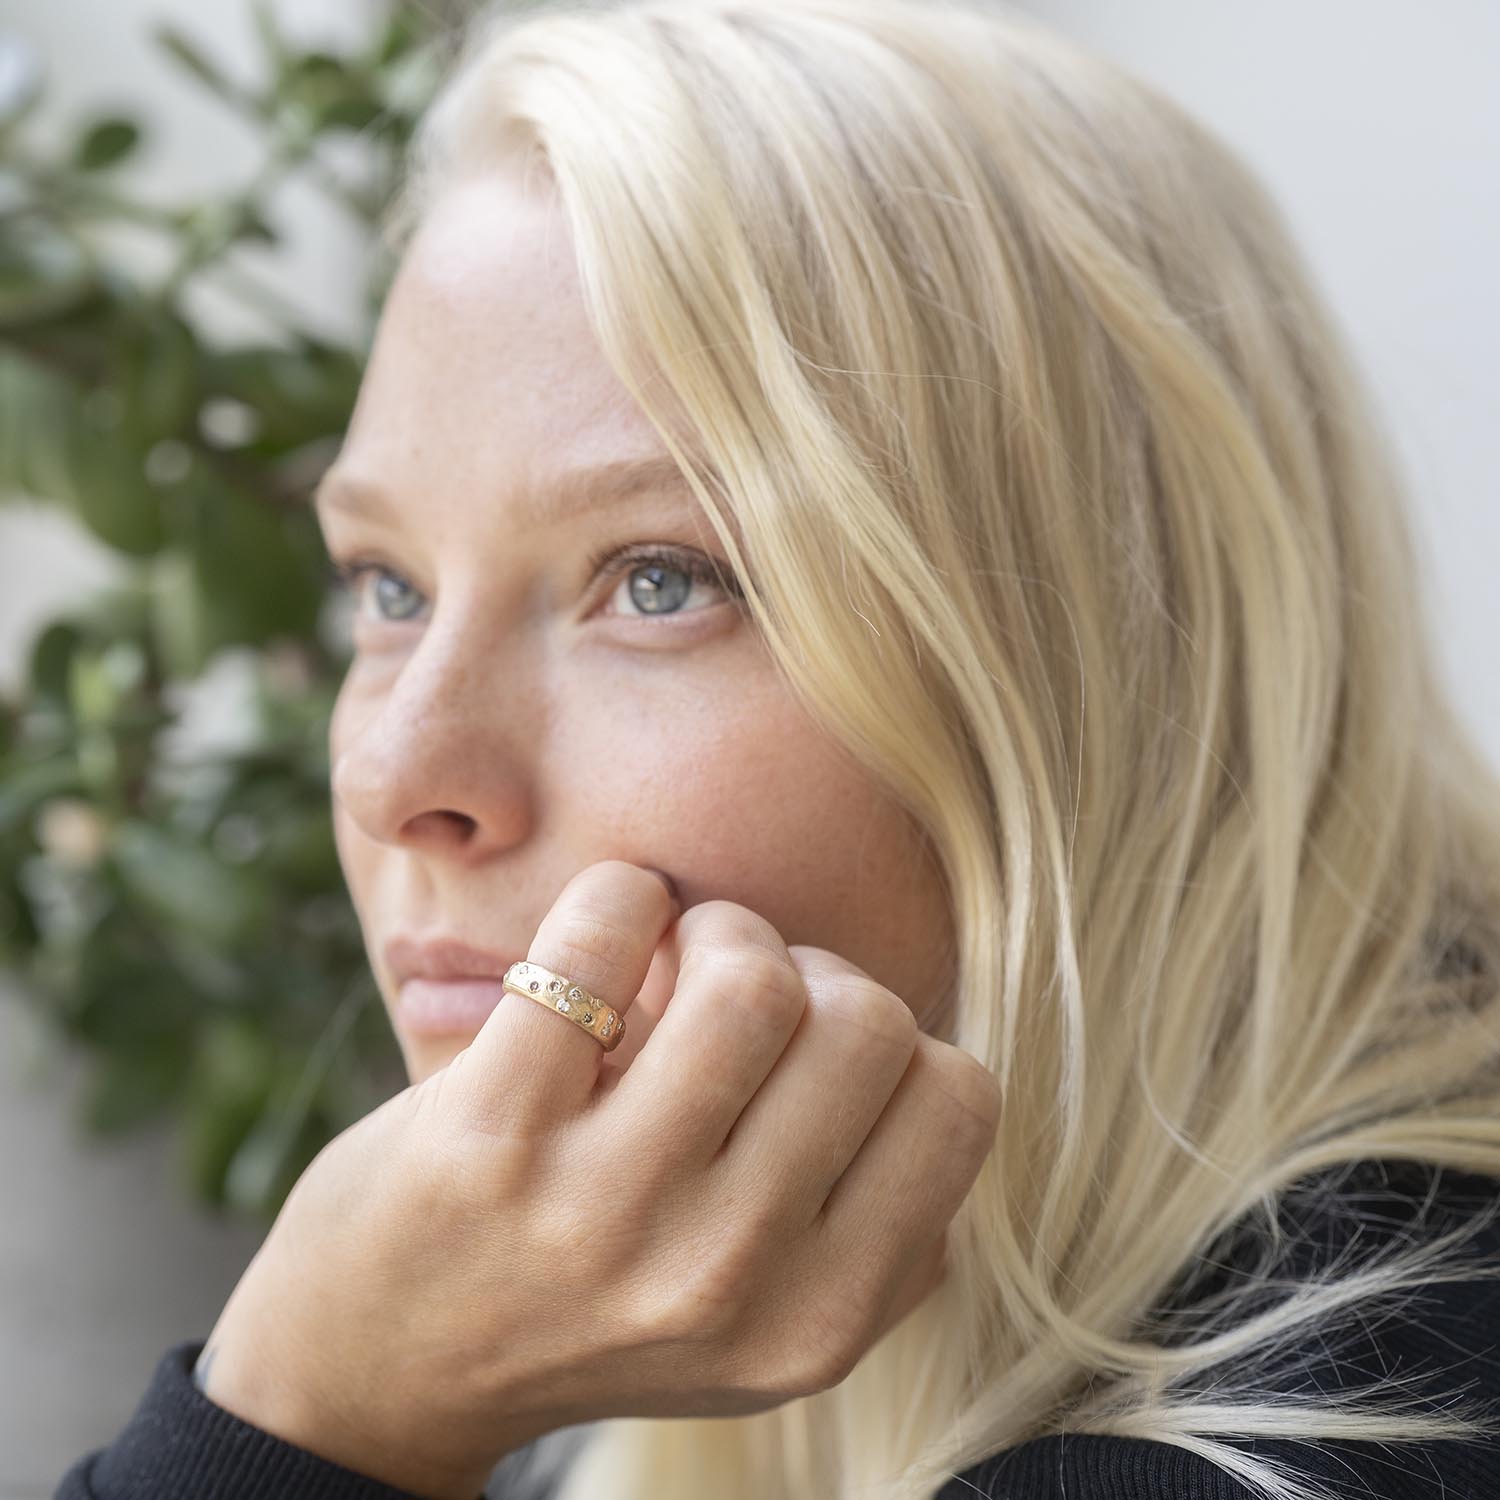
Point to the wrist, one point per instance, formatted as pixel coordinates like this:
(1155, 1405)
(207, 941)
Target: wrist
(228, 1374)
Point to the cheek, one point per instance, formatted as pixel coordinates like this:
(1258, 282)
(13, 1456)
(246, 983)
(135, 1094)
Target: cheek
(743, 798)
(701, 771)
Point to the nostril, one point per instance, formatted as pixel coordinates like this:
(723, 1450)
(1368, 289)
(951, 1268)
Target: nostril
(443, 821)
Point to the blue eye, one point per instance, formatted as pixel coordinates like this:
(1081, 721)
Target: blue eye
(389, 586)
(654, 580)
(660, 580)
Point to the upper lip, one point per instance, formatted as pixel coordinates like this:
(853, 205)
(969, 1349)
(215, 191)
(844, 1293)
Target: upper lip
(442, 958)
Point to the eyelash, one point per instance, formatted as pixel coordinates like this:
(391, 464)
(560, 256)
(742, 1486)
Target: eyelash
(610, 562)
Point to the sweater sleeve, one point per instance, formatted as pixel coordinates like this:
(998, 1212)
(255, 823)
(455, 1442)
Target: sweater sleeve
(1087, 1466)
(179, 1445)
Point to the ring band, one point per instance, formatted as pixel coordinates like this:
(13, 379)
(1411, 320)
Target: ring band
(557, 992)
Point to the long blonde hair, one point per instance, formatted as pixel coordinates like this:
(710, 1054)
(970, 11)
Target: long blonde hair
(1054, 492)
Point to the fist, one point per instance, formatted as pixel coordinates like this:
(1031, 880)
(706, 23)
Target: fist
(534, 1237)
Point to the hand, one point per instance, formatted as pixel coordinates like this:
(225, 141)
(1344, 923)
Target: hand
(531, 1238)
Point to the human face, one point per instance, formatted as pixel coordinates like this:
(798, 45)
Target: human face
(511, 715)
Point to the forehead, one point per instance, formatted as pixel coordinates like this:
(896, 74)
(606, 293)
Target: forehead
(485, 362)
(570, 493)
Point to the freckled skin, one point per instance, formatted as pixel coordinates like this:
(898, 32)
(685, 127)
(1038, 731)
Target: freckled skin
(531, 720)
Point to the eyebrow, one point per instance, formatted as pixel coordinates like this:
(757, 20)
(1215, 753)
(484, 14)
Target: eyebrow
(563, 496)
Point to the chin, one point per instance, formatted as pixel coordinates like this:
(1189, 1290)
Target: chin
(425, 1056)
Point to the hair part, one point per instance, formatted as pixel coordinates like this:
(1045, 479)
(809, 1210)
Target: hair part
(1057, 497)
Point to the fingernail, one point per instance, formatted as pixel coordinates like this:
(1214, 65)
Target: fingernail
(670, 884)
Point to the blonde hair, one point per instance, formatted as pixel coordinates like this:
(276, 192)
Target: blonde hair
(1053, 491)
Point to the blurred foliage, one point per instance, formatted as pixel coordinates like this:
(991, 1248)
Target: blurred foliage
(182, 920)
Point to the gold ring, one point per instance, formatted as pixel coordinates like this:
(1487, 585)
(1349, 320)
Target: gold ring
(557, 992)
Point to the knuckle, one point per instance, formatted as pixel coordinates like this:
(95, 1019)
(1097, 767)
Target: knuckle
(689, 1309)
(450, 1115)
(727, 924)
(856, 1000)
(472, 1154)
(711, 1293)
(968, 1087)
(826, 1351)
(754, 980)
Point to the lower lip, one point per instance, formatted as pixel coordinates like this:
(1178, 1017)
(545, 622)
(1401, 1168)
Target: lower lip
(447, 1007)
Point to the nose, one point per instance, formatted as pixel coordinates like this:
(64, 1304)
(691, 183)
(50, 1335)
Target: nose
(438, 759)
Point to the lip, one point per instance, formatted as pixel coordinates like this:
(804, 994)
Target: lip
(445, 987)
(447, 1007)
(443, 958)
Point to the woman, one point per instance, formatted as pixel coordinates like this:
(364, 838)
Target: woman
(887, 473)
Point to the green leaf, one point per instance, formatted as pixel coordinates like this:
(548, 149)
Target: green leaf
(103, 679)
(44, 276)
(55, 446)
(103, 380)
(398, 36)
(19, 932)
(26, 787)
(118, 610)
(268, 29)
(156, 373)
(180, 631)
(320, 91)
(232, 1076)
(110, 492)
(26, 301)
(51, 656)
(99, 763)
(300, 851)
(181, 882)
(106, 143)
(134, 1085)
(255, 577)
(352, 112)
(193, 58)
(300, 394)
(34, 408)
(254, 226)
(273, 1155)
(124, 995)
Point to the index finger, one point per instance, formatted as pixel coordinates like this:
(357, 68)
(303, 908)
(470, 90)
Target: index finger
(600, 934)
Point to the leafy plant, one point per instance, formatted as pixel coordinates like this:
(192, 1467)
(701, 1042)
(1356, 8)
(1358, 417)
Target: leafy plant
(182, 919)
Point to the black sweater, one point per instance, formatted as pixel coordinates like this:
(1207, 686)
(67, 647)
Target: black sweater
(178, 1445)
